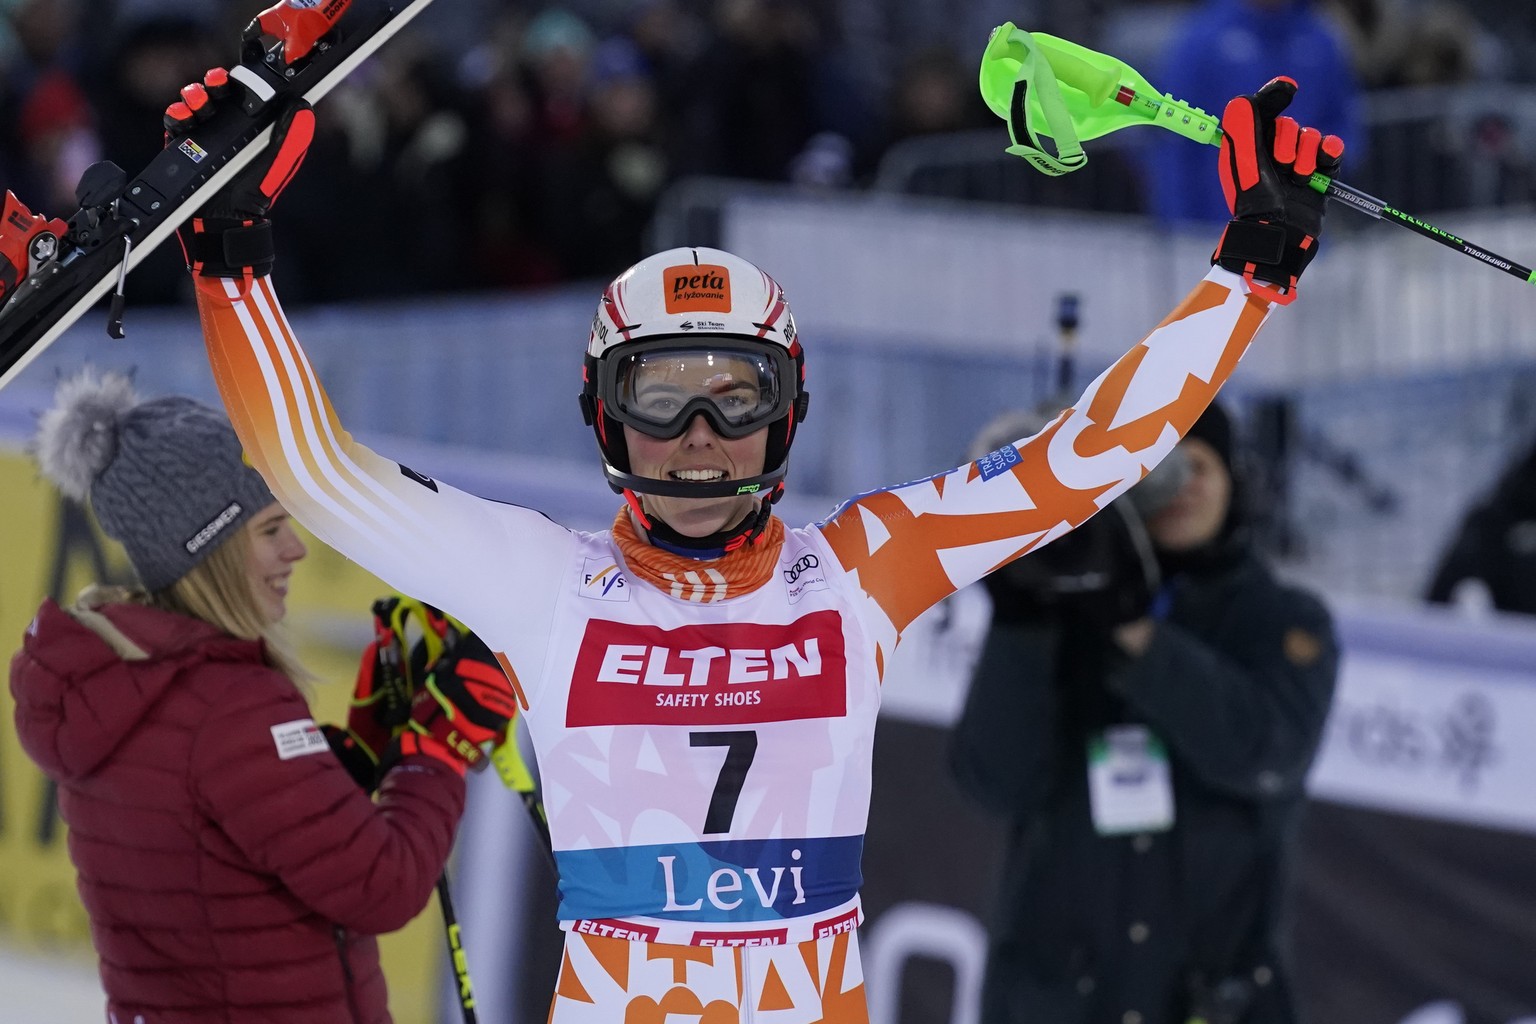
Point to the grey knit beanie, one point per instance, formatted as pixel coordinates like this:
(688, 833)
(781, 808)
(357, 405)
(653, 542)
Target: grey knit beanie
(166, 477)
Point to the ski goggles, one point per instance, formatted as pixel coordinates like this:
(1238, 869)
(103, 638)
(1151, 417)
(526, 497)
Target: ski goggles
(659, 387)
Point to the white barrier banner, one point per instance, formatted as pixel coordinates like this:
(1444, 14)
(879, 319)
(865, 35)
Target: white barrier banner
(1433, 717)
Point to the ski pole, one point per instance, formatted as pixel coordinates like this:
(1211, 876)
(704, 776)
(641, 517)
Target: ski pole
(1043, 85)
(437, 635)
(456, 955)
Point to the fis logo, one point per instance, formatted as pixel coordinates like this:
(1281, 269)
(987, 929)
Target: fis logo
(603, 580)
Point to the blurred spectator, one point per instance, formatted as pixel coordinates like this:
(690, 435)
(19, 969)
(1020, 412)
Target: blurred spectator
(395, 139)
(556, 48)
(758, 85)
(1491, 562)
(883, 34)
(57, 137)
(770, 90)
(1146, 706)
(47, 126)
(826, 162)
(1216, 53)
(600, 188)
(936, 92)
(1398, 44)
(506, 237)
(671, 40)
(154, 56)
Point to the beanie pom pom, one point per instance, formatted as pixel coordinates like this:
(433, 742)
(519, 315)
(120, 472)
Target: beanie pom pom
(77, 439)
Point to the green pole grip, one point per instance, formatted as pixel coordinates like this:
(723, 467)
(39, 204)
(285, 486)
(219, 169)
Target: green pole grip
(1194, 123)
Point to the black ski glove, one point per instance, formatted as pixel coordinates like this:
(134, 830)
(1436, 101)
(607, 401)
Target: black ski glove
(360, 763)
(1266, 161)
(1103, 573)
(231, 236)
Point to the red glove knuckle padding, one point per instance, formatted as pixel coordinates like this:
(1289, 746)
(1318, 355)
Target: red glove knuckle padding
(1306, 151)
(1286, 131)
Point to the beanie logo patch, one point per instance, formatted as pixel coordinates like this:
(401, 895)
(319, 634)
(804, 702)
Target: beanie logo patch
(702, 288)
(213, 529)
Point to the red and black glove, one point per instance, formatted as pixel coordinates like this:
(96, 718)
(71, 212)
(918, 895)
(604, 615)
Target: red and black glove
(1266, 161)
(231, 236)
(387, 679)
(381, 701)
(465, 706)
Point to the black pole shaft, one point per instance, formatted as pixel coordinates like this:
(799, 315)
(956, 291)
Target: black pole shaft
(1382, 211)
(456, 957)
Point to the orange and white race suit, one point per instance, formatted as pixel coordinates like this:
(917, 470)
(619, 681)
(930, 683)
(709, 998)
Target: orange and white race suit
(704, 729)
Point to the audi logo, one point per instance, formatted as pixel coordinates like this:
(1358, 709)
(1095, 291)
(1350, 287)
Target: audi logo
(806, 562)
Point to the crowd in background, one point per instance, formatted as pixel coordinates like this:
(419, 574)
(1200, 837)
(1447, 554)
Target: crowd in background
(511, 144)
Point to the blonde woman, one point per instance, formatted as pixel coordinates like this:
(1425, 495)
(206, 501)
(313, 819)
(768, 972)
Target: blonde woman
(231, 868)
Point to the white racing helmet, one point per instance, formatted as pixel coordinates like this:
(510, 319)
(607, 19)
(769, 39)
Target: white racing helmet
(694, 332)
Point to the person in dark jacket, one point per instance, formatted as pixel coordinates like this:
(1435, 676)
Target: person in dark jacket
(231, 868)
(1145, 709)
(1491, 562)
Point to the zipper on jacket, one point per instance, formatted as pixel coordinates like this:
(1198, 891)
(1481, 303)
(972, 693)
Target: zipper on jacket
(346, 973)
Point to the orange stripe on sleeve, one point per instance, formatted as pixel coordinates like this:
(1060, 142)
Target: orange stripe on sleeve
(912, 546)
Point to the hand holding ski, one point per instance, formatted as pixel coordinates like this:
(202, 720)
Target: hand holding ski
(231, 236)
(296, 49)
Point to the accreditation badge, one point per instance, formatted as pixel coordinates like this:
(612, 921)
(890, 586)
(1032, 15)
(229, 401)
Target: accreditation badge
(1130, 787)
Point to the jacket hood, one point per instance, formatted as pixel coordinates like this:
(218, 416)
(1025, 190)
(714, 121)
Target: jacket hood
(84, 679)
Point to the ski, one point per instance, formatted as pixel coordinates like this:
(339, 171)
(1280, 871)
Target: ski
(301, 49)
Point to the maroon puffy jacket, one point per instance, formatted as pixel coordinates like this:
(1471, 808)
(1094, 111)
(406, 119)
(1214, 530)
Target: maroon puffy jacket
(232, 870)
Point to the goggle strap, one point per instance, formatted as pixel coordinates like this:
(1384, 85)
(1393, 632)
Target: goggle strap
(634, 504)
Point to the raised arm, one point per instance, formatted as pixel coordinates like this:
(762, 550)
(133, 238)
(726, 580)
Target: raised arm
(420, 536)
(910, 546)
